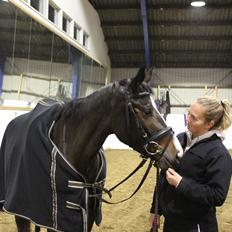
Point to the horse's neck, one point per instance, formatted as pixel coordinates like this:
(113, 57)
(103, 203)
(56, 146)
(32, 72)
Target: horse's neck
(85, 131)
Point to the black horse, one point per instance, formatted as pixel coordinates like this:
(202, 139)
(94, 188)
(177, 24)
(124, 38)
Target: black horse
(51, 161)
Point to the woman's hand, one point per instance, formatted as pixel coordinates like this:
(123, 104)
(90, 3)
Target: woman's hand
(154, 220)
(173, 177)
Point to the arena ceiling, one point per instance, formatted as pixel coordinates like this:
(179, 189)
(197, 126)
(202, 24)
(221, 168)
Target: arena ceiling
(177, 35)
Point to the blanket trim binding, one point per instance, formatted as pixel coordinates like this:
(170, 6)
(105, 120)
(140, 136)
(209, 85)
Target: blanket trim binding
(77, 184)
(61, 154)
(29, 219)
(72, 184)
(53, 187)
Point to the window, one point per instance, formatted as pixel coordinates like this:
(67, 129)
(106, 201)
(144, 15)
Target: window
(64, 26)
(66, 23)
(85, 40)
(38, 5)
(77, 31)
(53, 13)
(35, 4)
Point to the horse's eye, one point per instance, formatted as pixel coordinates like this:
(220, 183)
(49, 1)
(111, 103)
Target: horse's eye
(147, 111)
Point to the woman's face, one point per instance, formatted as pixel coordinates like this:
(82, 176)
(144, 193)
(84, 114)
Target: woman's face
(196, 122)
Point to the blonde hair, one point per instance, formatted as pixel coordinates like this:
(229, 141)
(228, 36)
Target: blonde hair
(217, 110)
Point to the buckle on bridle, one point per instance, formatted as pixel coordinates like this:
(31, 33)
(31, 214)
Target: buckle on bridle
(151, 148)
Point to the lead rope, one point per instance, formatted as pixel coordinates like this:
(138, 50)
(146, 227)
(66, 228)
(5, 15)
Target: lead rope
(155, 226)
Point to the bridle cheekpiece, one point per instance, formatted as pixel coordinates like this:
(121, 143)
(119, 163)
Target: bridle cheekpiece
(151, 148)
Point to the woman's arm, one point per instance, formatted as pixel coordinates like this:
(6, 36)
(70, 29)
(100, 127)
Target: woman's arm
(217, 181)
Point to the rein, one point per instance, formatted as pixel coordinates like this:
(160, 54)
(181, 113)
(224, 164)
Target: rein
(139, 186)
(114, 187)
(155, 226)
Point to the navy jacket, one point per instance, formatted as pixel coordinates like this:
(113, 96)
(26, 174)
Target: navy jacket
(206, 170)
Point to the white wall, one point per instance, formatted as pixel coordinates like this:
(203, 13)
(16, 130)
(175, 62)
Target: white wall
(185, 84)
(41, 79)
(176, 121)
(6, 116)
(181, 76)
(32, 90)
(87, 18)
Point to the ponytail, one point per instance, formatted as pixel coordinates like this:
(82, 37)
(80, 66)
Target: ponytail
(217, 110)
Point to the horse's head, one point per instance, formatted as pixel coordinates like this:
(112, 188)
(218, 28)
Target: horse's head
(139, 124)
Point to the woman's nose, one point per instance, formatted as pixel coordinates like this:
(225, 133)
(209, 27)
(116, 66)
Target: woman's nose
(188, 118)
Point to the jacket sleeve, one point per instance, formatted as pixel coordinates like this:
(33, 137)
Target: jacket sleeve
(214, 191)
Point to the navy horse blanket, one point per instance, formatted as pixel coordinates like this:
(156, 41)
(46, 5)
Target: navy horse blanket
(36, 181)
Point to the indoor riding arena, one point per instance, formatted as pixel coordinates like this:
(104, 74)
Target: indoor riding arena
(81, 75)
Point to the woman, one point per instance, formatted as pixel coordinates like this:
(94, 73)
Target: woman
(188, 197)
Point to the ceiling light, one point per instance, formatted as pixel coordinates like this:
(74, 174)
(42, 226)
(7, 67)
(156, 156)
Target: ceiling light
(197, 3)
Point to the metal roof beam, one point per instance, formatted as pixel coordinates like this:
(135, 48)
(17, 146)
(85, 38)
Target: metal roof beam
(170, 37)
(189, 64)
(173, 51)
(121, 23)
(192, 64)
(134, 5)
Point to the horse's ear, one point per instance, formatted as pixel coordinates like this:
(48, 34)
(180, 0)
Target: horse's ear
(142, 75)
(148, 75)
(138, 79)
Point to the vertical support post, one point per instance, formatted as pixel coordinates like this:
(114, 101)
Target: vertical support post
(75, 59)
(74, 77)
(106, 75)
(20, 86)
(206, 89)
(216, 91)
(145, 33)
(158, 92)
(2, 62)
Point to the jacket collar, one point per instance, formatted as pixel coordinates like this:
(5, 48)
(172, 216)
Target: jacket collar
(208, 134)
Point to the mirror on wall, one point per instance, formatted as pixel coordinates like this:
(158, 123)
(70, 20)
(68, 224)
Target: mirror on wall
(35, 63)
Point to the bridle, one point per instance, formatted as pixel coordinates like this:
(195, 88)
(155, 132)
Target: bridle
(150, 140)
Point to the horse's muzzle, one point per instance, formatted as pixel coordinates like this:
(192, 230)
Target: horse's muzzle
(164, 163)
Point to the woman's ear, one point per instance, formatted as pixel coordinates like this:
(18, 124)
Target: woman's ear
(210, 124)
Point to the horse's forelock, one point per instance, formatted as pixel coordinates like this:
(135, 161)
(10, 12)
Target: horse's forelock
(147, 88)
(124, 82)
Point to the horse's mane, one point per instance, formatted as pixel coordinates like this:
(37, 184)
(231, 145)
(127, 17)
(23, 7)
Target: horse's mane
(81, 105)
